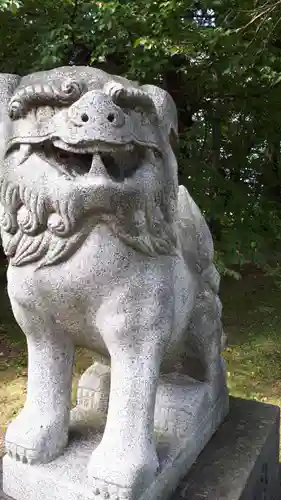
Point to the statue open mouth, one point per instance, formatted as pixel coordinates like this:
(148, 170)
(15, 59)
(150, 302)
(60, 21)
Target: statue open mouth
(114, 161)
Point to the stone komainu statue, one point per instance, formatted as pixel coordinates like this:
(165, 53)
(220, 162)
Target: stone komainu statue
(107, 252)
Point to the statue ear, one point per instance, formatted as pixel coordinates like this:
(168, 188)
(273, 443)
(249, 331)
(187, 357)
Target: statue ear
(8, 83)
(166, 111)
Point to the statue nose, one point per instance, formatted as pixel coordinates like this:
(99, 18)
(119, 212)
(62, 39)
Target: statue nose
(84, 117)
(78, 117)
(99, 115)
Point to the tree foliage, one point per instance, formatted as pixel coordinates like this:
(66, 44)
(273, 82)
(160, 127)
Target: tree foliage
(221, 62)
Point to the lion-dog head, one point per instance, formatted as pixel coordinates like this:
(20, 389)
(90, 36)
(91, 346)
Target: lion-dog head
(68, 127)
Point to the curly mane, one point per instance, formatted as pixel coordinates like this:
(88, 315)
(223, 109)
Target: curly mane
(32, 235)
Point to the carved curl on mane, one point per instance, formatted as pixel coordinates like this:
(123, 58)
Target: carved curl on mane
(38, 94)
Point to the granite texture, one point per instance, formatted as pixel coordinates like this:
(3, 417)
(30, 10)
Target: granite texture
(240, 462)
(107, 252)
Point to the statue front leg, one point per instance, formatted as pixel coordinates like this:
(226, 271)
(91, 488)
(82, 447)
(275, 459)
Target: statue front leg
(126, 455)
(126, 460)
(40, 431)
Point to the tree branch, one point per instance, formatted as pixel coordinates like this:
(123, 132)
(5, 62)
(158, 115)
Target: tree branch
(265, 13)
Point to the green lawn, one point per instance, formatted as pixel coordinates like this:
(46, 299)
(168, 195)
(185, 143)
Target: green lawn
(252, 320)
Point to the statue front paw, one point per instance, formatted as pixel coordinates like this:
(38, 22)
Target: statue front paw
(120, 475)
(34, 438)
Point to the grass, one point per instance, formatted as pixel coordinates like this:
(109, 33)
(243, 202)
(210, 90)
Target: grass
(252, 320)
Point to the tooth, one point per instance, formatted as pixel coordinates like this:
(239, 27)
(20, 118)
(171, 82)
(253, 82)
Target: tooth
(97, 167)
(24, 152)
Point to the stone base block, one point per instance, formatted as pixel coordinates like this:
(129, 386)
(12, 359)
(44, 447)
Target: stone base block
(240, 462)
(66, 477)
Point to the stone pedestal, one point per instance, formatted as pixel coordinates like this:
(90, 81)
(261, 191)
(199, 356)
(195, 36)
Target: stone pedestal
(177, 446)
(241, 462)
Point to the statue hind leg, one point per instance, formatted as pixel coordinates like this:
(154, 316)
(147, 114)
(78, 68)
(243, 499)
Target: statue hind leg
(206, 336)
(193, 377)
(40, 431)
